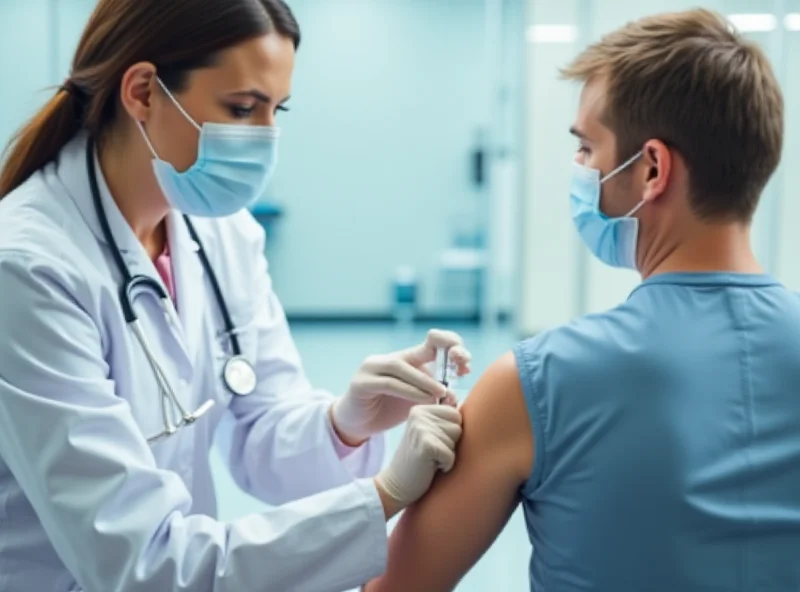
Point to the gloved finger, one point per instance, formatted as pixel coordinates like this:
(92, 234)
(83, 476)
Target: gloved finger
(392, 387)
(458, 355)
(434, 437)
(426, 351)
(429, 368)
(436, 422)
(405, 372)
(461, 357)
(440, 338)
(449, 431)
(451, 400)
(443, 456)
(437, 414)
(448, 436)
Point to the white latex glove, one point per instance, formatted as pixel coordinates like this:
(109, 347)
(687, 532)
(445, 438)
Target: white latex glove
(385, 388)
(428, 445)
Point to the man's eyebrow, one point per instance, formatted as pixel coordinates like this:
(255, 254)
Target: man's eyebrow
(577, 133)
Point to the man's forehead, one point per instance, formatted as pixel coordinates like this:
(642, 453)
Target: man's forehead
(591, 111)
(593, 100)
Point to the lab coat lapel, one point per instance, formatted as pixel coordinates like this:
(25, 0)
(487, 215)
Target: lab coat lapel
(189, 284)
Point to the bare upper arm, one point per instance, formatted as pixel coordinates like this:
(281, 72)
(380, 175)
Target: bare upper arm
(438, 540)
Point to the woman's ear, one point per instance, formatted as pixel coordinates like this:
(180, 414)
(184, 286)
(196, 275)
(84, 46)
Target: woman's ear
(136, 90)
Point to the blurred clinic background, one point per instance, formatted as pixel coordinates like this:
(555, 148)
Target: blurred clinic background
(424, 174)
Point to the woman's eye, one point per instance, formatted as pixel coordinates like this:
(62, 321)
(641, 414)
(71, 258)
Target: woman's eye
(583, 150)
(240, 112)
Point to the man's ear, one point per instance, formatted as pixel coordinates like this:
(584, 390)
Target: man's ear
(658, 162)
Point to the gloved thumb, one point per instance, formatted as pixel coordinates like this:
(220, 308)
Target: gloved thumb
(426, 351)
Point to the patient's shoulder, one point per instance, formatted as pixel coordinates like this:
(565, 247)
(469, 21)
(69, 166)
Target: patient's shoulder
(500, 383)
(496, 418)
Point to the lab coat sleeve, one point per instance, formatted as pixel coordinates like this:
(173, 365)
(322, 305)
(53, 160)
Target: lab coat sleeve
(283, 444)
(115, 519)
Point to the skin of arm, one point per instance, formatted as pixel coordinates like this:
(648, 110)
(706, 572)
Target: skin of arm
(438, 540)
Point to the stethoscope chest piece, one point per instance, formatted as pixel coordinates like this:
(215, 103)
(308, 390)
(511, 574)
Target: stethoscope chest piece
(239, 376)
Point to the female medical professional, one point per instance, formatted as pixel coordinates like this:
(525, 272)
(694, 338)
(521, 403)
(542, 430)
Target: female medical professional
(136, 310)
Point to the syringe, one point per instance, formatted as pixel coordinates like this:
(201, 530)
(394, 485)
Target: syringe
(442, 363)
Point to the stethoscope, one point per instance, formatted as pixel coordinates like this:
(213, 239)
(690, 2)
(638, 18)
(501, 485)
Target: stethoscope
(238, 373)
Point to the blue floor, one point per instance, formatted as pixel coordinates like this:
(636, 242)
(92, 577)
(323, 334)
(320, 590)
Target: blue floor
(331, 354)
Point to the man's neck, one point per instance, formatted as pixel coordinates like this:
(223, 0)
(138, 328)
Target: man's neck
(710, 248)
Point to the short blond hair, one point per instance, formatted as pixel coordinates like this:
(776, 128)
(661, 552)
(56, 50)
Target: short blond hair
(690, 80)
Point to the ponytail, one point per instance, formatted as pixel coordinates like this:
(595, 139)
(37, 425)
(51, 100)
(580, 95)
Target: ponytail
(42, 138)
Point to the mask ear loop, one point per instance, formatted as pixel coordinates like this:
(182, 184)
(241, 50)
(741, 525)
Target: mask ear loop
(622, 167)
(147, 139)
(618, 170)
(178, 105)
(636, 209)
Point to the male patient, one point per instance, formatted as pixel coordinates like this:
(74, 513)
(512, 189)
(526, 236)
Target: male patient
(654, 447)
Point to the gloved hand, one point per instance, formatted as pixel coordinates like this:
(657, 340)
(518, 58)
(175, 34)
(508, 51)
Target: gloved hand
(428, 445)
(385, 388)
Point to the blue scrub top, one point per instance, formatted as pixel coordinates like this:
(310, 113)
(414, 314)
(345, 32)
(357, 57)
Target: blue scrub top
(667, 436)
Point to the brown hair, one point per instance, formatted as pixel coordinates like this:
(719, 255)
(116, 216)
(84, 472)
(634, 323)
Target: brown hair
(177, 36)
(689, 80)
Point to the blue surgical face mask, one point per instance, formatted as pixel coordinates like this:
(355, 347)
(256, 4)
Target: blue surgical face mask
(233, 168)
(612, 240)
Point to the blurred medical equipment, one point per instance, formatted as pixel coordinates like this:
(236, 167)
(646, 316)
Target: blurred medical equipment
(405, 295)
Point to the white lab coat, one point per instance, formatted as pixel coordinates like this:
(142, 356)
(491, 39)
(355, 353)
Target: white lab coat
(85, 502)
